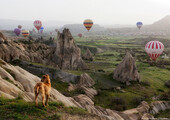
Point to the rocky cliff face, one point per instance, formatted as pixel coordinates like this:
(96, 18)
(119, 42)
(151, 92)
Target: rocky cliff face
(16, 81)
(67, 54)
(127, 71)
(36, 52)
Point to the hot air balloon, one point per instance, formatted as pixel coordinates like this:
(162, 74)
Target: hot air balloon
(17, 31)
(37, 24)
(154, 49)
(19, 26)
(41, 29)
(25, 33)
(88, 24)
(80, 35)
(139, 24)
(56, 30)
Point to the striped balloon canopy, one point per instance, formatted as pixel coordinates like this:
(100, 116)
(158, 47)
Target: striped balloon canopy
(25, 33)
(88, 24)
(154, 49)
(37, 24)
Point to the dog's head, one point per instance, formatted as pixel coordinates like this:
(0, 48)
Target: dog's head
(45, 78)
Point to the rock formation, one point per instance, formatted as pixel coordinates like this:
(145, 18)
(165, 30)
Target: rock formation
(142, 111)
(85, 80)
(67, 54)
(16, 81)
(2, 37)
(35, 52)
(127, 71)
(83, 83)
(88, 55)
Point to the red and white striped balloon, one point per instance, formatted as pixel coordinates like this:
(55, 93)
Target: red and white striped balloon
(38, 24)
(154, 49)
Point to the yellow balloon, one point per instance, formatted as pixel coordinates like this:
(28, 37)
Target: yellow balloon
(88, 23)
(25, 33)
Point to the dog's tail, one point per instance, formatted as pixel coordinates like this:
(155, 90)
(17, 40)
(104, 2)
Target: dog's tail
(36, 90)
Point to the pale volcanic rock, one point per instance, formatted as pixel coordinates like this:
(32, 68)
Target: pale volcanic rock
(67, 54)
(126, 71)
(88, 55)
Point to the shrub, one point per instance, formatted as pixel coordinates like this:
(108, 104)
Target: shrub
(118, 103)
(165, 95)
(20, 96)
(167, 83)
(146, 83)
(55, 117)
(137, 100)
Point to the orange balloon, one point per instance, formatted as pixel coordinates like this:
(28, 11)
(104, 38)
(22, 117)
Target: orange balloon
(88, 23)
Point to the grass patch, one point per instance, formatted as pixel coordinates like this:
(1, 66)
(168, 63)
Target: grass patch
(18, 109)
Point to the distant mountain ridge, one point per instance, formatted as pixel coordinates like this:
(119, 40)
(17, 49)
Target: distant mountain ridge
(162, 24)
(51, 25)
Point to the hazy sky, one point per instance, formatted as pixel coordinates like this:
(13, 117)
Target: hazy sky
(104, 12)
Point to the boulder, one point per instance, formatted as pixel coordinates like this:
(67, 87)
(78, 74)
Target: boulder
(83, 83)
(67, 55)
(90, 92)
(88, 55)
(85, 80)
(126, 71)
(147, 116)
(158, 106)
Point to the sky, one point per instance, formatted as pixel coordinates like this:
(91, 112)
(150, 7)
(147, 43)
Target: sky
(104, 12)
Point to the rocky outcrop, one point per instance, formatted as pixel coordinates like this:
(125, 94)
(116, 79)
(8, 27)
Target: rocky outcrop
(67, 54)
(83, 83)
(16, 81)
(85, 80)
(142, 111)
(56, 74)
(2, 37)
(126, 71)
(158, 106)
(36, 52)
(90, 92)
(147, 116)
(88, 55)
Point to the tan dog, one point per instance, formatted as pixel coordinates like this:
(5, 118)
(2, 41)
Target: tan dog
(43, 87)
